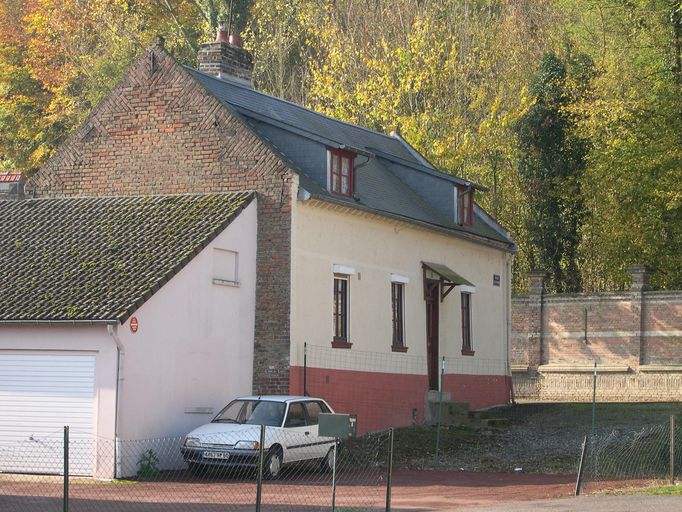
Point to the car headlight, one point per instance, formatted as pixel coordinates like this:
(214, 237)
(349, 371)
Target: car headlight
(246, 445)
(192, 442)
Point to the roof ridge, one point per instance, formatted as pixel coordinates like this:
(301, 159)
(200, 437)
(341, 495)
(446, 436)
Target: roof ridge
(136, 196)
(291, 103)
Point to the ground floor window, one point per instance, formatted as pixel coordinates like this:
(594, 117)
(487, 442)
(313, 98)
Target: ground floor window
(467, 348)
(398, 315)
(340, 314)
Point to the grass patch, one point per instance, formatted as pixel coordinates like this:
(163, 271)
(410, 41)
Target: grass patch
(663, 489)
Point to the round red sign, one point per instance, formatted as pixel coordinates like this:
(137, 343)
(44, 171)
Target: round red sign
(133, 324)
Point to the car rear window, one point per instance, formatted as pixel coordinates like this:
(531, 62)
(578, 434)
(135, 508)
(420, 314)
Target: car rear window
(314, 409)
(296, 416)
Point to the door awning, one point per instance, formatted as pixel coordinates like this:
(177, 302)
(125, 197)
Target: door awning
(448, 277)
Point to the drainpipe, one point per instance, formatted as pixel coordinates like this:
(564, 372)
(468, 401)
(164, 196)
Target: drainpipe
(508, 302)
(113, 332)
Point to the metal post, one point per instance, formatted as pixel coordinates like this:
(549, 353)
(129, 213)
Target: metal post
(436, 459)
(579, 481)
(336, 444)
(305, 369)
(672, 450)
(594, 397)
(389, 472)
(261, 457)
(66, 469)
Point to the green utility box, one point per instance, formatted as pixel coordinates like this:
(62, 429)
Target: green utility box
(341, 426)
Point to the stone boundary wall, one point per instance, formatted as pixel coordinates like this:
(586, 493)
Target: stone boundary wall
(634, 337)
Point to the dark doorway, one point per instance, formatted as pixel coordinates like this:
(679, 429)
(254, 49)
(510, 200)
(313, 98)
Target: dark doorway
(432, 296)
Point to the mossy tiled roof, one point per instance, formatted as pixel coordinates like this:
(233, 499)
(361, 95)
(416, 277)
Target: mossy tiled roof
(101, 258)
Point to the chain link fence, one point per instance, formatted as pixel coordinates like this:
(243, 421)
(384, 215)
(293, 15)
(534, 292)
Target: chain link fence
(649, 455)
(254, 468)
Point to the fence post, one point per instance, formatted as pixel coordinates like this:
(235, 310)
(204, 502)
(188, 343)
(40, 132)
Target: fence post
(594, 396)
(336, 444)
(672, 449)
(436, 460)
(581, 467)
(66, 469)
(261, 456)
(389, 471)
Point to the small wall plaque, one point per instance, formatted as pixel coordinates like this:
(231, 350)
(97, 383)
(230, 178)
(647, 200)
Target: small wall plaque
(496, 279)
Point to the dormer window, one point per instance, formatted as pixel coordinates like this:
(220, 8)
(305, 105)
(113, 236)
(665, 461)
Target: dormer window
(464, 206)
(340, 174)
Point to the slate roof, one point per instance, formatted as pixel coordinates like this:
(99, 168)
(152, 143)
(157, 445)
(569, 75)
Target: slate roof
(395, 180)
(100, 258)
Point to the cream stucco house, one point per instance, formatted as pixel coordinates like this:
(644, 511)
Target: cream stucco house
(366, 276)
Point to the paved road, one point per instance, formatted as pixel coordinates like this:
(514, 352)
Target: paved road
(624, 503)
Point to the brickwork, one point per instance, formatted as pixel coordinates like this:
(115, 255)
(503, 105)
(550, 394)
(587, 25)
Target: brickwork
(223, 59)
(159, 131)
(634, 337)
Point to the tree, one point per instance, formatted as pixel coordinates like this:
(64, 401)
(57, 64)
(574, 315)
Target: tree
(551, 167)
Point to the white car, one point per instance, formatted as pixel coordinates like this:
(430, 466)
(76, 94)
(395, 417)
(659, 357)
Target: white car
(232, 438)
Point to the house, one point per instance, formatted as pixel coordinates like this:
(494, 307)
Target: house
(376, 275)
(11, 185)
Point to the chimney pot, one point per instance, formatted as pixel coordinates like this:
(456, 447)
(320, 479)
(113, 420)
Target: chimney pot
(235, 40)
(222, 36)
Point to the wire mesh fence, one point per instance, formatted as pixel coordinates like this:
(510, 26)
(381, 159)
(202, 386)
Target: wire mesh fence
(291, 469)
(620, 458)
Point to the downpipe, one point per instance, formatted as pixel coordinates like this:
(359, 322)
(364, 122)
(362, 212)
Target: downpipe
(113, 332)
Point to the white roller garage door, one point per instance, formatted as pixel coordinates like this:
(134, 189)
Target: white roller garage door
(40, 393)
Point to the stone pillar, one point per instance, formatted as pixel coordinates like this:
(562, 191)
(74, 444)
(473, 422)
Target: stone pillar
(640, 278)
(640, 284)
(536, 294)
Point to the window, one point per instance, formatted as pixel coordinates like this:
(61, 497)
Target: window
(464, 206)
(295, 416)
(398, 314)
(340, 172)
(341, 311)
(314, 409)
(225, 267)
(467, 349)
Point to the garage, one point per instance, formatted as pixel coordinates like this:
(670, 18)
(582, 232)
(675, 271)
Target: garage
(40, 393)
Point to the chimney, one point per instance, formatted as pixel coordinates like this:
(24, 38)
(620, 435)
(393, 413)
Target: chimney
(225, 58)
(12, 185)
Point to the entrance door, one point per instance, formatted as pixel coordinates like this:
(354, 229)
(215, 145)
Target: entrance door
(432, 295)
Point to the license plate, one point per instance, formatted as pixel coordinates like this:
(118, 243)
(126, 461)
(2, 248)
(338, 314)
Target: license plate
(216, 455)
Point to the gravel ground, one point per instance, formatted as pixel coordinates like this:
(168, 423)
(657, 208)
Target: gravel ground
(540, 438)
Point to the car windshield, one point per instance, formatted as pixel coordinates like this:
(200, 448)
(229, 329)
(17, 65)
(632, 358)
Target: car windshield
(252, 412)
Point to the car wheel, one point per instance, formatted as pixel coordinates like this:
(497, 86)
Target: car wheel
(327, 464)
(272, 464)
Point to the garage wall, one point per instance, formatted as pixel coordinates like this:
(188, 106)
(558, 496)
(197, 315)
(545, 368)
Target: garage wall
(193, 350)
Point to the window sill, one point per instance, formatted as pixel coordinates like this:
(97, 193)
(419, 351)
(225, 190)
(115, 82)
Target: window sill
(468, 352)
(398, 348)
(341, 344)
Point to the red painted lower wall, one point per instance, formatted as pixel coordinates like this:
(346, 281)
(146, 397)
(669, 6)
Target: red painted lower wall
(382, 400)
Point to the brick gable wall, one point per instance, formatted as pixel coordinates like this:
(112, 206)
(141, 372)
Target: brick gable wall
(158, 132)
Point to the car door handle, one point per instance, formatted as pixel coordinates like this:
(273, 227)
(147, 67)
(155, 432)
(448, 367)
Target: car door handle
(307, 433)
